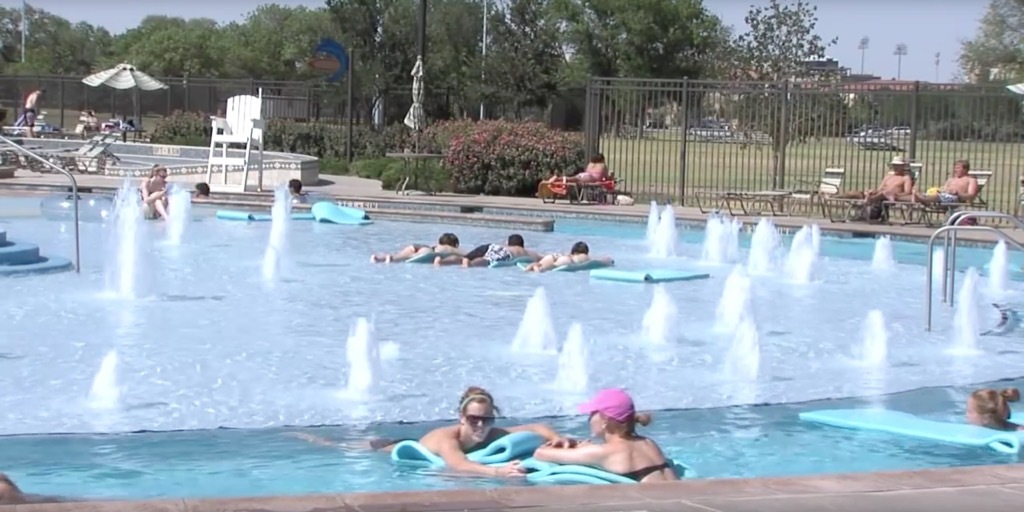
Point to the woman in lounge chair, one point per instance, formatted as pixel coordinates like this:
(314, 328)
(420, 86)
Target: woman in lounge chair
(613, 419)
(991, 408)
(580, 253)
(596, 172)
(475, 429)
(447, 244)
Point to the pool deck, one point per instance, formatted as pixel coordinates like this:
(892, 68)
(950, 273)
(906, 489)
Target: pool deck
(983, 488)
(368, 195)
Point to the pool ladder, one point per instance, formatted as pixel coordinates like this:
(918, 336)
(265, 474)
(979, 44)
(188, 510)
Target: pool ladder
(74, 192)
(948, 232)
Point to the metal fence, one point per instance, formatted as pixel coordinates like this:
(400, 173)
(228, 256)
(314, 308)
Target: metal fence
(676, 139)
(66, 97)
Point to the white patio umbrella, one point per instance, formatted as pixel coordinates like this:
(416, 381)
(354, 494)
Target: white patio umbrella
(415, 118)
(125, 76)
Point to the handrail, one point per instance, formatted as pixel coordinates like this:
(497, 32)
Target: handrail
(952, 258)
(74, 192)
(987, 214)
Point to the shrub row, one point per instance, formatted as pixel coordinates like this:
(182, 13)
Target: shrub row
(489, 157)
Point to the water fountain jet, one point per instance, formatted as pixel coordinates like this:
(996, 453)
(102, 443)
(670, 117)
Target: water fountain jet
(882, 260)
(965, 319)
(536, 333)
(721, 240)
(875, 344)
(735, 303)
(363, 357)
(122, 269)
(665, 237)
(659, 323)
(105, 394)
(276, 254)
(764, 246)
(572, 362)
(802, 256)
(998, 271)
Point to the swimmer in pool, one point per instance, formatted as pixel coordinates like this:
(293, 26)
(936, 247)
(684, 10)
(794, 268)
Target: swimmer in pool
(154, 194)
(447, 243)
(484, 255)
(613, 419)
(475, 430)
(991, 408)
(580, 253)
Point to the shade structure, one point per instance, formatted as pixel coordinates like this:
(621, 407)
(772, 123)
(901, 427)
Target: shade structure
(124, 76)
(415, 118)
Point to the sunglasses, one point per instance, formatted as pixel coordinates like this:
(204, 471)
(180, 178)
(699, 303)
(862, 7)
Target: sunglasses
(479, 420)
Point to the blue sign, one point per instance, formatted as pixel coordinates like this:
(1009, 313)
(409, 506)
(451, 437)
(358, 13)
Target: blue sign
(330, 56)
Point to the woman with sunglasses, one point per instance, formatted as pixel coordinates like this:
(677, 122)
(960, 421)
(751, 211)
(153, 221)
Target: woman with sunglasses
(613, 418)
(475, 430)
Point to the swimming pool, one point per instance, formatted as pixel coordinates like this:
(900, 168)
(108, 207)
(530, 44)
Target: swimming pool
(206, 343)
(741, 441)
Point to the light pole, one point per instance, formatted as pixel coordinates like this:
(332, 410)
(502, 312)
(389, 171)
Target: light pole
(863, 46)
(938, 58)
(24, 27)
(900, 52)
(483, 58)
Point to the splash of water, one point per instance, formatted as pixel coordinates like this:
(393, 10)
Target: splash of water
(572, 362)
(735, 303)
(998, 270)
(659, 324)
(875, 344)
(721, 240)
(179, 211)
(965, 319)
(105, 394)
(363, 357)
(802, 257)
(938, 266)
(816, 239)
(536, 333)
(764, 246)
(652, 222)
(666, 236)
(743, 361)
(882, 260)
(276, 254)
(122, 269)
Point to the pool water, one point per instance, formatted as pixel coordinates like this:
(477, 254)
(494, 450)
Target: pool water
(741, 441)
(204, 343)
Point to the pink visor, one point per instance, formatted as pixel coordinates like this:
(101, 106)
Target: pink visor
(613, 403)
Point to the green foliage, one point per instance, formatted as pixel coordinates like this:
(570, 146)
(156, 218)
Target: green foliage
(504, 158)
(998, 44)
(428, 175)
(527, 35)
(182, 129)
(780, 39)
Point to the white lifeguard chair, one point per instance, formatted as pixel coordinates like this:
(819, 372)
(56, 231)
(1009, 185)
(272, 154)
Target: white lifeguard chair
(242, 123)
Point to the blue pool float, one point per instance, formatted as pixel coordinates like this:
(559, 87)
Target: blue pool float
(573, 267)
(551, 473)
(326, 211)
(512, 262)
(908, 425)
(646, 276)
(427, 257)
(256, 217)
(506, 449)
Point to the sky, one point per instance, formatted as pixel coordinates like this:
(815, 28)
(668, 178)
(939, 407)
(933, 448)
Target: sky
(927, 27)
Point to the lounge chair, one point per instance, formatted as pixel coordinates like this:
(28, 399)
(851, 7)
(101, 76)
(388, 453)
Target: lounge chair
(831, 183)
(92, 157)
(853, 209)
(935, 214)
(600, 192)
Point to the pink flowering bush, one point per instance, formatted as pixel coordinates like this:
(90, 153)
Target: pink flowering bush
(506, 158)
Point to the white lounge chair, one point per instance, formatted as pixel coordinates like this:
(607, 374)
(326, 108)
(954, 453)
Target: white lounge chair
(242, 124)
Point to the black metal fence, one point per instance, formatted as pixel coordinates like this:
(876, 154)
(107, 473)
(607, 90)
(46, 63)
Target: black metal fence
(676, 139)
(66, 97)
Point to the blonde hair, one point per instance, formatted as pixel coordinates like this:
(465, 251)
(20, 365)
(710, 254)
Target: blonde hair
(628, 427)
(476, 395)
(992, 406)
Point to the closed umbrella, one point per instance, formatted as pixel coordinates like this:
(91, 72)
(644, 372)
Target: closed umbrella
(125, 76)
(415, 118)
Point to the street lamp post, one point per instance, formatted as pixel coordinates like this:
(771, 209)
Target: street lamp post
(483, 57)
(24, 27)
(900, 52)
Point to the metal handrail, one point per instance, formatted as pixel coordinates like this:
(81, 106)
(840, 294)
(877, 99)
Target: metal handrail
(987, 214)
(74, 193)
(950, 260)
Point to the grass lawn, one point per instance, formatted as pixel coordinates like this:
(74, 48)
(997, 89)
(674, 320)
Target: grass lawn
(651, 167)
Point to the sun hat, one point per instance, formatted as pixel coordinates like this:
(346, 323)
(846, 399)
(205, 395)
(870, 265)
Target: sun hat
(614, 403)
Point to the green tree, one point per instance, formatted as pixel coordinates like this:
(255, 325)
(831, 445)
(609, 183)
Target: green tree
(53, 45)
(274, 41)
(175, 47)
(997, 50)
(524, 55)
(647, 39)
(793, 102)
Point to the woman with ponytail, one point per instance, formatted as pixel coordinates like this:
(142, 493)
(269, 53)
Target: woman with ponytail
(991, 408)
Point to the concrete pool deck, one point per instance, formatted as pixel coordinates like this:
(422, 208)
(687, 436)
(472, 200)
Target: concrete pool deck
(987, 488)
(469, 209)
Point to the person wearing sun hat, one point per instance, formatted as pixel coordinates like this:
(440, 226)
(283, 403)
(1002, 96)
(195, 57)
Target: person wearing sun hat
(895, 184)
(613, 420)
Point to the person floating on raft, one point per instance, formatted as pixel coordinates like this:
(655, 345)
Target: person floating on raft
(578, 254)
(613, 419)
(990, 408)
(488, 254)
(475, 430)
(447, 243)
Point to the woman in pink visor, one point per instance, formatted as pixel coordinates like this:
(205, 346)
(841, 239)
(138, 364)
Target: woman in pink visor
(613, 418)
